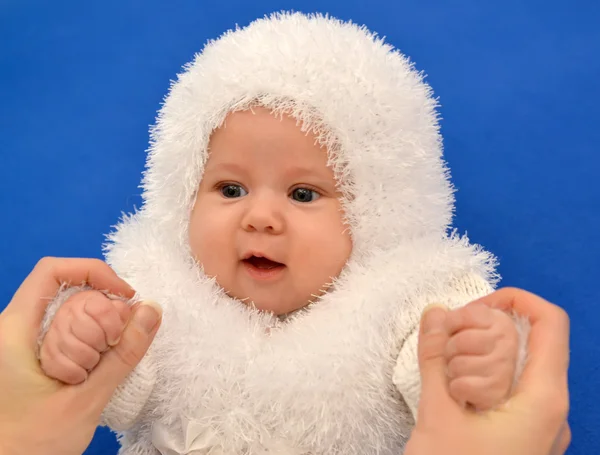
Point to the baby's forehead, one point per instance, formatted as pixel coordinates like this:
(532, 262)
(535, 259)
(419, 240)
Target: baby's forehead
(259, 121)
(258, 137)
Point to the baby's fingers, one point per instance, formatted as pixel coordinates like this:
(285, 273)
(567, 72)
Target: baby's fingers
(57, 365)
(78, 352)
(474, 390)
(99, 312)
(88, 331)
(465, 365)
(470, 342)
(483, 381)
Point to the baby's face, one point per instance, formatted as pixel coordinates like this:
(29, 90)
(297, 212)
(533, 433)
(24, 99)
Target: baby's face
(267, 221)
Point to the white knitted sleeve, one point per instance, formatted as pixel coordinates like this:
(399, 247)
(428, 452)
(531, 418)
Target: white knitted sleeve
(128, 402)
(406, 375)
(130, 397)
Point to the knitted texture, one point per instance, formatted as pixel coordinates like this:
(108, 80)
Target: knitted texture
(129, 399)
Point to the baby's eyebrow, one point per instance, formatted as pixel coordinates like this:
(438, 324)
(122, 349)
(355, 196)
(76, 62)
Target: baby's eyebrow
(300, 172)
(225, 166)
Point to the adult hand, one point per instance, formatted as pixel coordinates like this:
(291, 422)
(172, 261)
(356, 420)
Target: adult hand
(39, 415)
(532, 422)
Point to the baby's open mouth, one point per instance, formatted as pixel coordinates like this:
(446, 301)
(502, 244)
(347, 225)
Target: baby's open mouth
(262, 263)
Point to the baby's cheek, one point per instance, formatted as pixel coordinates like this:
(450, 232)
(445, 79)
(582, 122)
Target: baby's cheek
(211, 249)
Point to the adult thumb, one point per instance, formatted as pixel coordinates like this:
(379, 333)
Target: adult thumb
(122, 358)
(433, 338)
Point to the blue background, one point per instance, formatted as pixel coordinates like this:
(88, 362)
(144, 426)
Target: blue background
(519, 84)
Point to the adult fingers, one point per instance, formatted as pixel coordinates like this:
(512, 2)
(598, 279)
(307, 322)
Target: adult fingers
(29, 303)
(563, 441)
(433, 338)
(122, 358)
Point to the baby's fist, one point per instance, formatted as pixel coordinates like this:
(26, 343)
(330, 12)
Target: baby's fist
(481, 355)
(86, 325)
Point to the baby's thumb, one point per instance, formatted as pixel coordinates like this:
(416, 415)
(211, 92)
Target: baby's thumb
(433, 338)
(122, 358)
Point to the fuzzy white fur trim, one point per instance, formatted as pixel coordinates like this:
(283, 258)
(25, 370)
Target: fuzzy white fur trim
(364, 99)
(320, 381)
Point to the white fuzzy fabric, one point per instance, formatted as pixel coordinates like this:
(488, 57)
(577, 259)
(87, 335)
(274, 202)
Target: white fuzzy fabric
(230, 380)
(365, 100)
(239, 381)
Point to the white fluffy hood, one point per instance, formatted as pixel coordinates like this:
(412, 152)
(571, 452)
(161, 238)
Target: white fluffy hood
(329, 368)
(371, 108)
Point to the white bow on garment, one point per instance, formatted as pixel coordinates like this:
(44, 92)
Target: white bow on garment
(196, 438)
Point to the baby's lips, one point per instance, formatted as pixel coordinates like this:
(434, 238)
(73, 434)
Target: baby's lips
(263, 262)
(257, 255)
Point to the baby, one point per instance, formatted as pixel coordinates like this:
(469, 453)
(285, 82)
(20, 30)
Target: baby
(294, 226)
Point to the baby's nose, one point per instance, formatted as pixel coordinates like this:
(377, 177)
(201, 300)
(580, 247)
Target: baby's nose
(264, 216)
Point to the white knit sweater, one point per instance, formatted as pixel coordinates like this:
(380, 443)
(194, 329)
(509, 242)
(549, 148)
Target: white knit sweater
(341, 376)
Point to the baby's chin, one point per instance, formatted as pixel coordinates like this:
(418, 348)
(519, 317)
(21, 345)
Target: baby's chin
(277, 307)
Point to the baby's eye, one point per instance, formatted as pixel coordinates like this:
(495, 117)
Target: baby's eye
(233, 191)
(305, 195)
